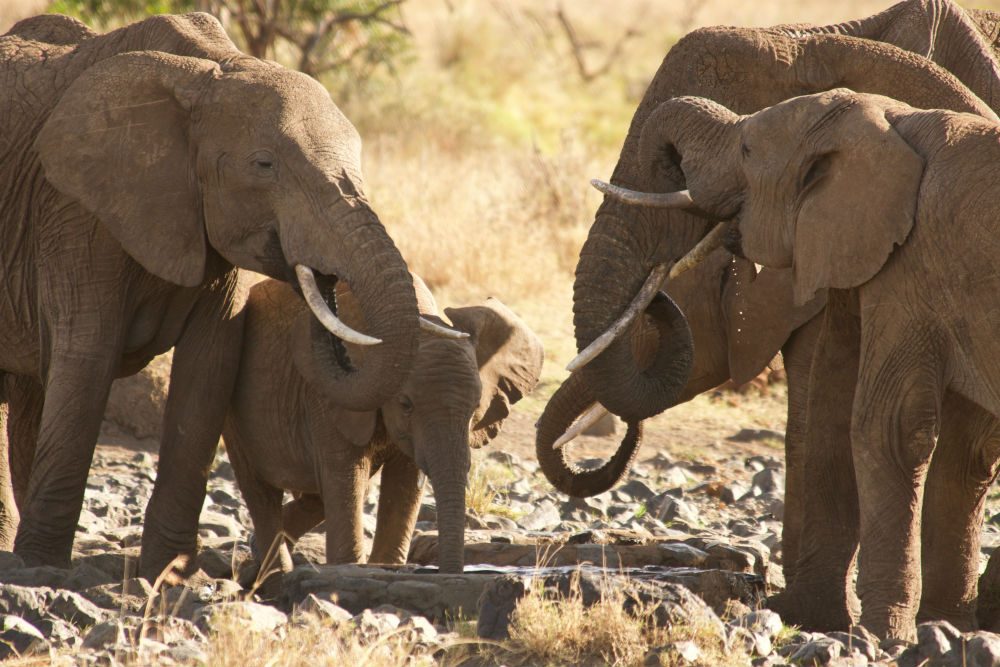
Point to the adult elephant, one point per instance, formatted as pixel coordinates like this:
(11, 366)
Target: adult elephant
(139, 168)
(892, 208)
(736, 331)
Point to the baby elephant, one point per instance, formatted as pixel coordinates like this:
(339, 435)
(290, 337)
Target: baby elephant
(286, 431)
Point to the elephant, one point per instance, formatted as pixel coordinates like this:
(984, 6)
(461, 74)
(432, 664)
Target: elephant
(739, 318)
(140, 168)
(283, 434)
(891, 209)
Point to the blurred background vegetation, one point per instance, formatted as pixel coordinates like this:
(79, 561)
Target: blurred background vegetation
(483, 120)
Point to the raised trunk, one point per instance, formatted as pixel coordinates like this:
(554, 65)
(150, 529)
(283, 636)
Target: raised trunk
(566, 404)
(625, 244)
(386, 309)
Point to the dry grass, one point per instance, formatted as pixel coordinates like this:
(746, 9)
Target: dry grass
(484, 492)
(309, 644)
(552, 630)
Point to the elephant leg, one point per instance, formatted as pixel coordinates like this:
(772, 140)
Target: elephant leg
(26, 399)
(263, 502)
(798, 355)
(206, 360)
(345, 483)
(820, 595)
(961, 471)
(398, 504)
(76, 392)
(896, 416)
(301, 515)
(18, 435)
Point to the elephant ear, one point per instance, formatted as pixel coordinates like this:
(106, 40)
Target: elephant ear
(118, 143)
(510, 358)
(760, 316)
(861, 206)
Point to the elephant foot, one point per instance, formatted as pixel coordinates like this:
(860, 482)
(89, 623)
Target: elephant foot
(811, 612)
(891, 623)
(964, 619)
(159, 561)
(33, 558)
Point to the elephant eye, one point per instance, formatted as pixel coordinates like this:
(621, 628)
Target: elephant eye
(264, 163)
(745, 150)
(406, 404)
(817, 170)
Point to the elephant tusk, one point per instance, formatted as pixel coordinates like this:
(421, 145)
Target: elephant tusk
(680, 199)
(639, 302)
(317, 304)
(702, 250)
(440, 331)
(593, 415)
(657, 276)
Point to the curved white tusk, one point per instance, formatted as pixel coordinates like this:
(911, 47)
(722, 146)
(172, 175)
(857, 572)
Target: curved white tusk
(641, 299)
(593, 415)
(702, 250)
(679, 199)
(317, 304)
(440, 331)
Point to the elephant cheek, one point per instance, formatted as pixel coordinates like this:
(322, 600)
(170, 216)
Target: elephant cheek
(762, 238)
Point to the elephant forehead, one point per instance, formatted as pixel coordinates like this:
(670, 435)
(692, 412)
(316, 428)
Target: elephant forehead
(446, 364)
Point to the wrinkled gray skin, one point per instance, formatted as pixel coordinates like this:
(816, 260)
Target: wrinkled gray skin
(284, 433)
(895, 209)
(139, 168)
(738, 322)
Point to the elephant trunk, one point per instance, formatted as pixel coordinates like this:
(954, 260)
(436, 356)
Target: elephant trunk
(383, 307)
(567, 403)
(626, 244)
(449, 474)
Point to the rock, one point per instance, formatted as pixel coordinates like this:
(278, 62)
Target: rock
(856, 644)
(135, 405)
(419, 629)
(371, 625)
(10, 561)
(733, 492)
(321, 609)
(544, 516)
(220, 525)
(496, 604)
(187, 652)
(982, 649)
(216, 564)
(75, 609)
(934, 639)
(768, 480)
(251, 615)
(764, 620)
(754, 434)
(682, 555)
(20, 638)
(687, 650)
(27, 603)
(59, 633)
(753, 642)
(821, 651)
(170, 629)
(634, 490)
(105, 634)
(676, 509)
(130, 596)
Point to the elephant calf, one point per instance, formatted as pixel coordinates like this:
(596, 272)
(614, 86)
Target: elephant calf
(285, 432)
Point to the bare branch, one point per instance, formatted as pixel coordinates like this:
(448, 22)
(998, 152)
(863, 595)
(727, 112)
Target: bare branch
(577, 46)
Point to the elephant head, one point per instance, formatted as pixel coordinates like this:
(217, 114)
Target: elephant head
(182, 158)
(823, 184)
(738, 319)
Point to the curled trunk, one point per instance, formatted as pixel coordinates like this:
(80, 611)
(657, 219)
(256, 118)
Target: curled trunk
(386, 309)
(569, 401)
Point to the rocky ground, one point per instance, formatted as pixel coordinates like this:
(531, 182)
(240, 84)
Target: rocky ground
(701, 516)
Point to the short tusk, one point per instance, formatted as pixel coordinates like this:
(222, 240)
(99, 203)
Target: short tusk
(440, 331)
(639, 302)
(317, 304)
(680, 199)
(593, 415)
(698, 253)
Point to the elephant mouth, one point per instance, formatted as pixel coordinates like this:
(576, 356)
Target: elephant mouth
(732, 241)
